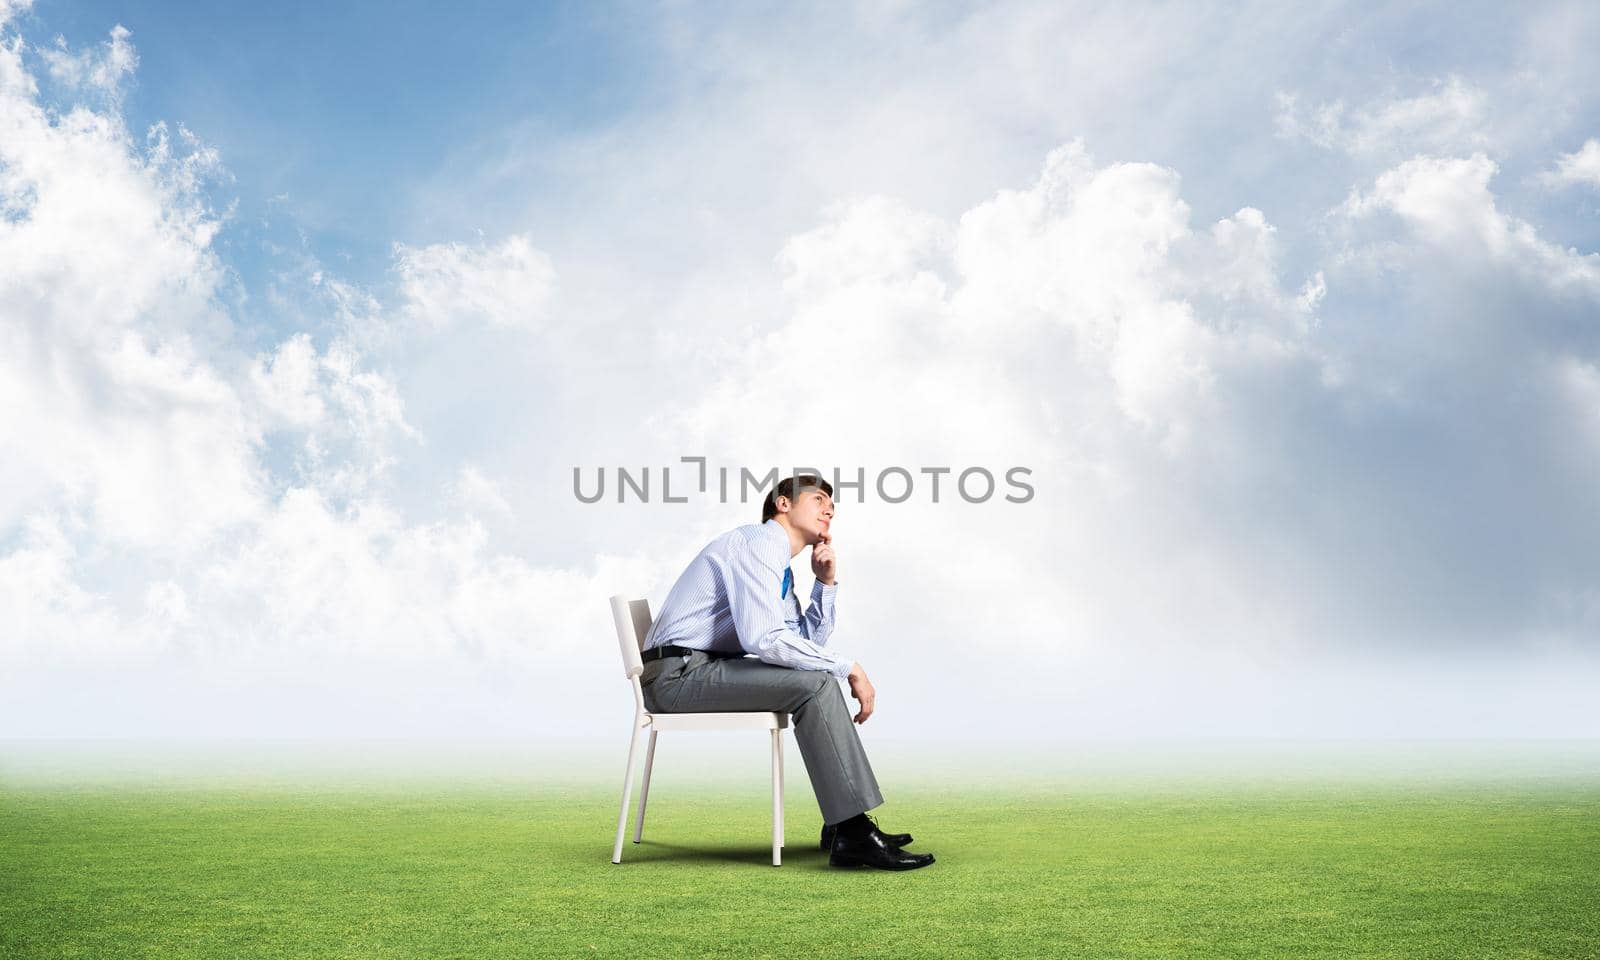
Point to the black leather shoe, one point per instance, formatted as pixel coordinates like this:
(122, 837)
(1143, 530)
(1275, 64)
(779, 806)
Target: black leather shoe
(871, 851)
(892, 839)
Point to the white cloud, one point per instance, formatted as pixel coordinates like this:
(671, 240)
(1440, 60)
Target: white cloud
(167, 492)
(10, 8)
(111, 406)
(1582, 166)
(288, 383)
(99, 71)
(1447, 204)
(1099, 261)
(1451, 117)
(446, 284)
(365, 582)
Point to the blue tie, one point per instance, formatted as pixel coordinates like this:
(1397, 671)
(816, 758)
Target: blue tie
(788, 578)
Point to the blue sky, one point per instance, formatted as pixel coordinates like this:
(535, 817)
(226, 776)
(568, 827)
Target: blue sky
(341, 122)
(328, 117)
(1289, 309)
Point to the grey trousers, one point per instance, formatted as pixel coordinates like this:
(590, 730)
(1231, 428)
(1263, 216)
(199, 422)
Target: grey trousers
(704, 683)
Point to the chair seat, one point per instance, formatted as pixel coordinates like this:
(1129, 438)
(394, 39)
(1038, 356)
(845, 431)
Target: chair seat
(718, 721)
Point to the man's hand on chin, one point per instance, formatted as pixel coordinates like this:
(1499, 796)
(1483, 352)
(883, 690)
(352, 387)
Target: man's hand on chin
(823, 564)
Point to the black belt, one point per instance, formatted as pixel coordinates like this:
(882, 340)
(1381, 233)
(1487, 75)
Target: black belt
(667, 650)
(673, 650)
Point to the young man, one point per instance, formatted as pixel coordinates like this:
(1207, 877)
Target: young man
(737, 597)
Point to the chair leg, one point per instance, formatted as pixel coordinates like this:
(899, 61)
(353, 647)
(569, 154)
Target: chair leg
(777, 798)
(627, 787)
(644, 788)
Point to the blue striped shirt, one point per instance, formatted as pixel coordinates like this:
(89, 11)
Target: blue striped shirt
(736, 598)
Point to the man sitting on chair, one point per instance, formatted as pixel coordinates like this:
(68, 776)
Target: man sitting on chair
(737, 597)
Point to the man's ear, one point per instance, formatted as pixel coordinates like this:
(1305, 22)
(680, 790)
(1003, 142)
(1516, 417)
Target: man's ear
(782, 504)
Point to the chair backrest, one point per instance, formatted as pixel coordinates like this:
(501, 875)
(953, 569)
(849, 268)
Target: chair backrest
(633, 622)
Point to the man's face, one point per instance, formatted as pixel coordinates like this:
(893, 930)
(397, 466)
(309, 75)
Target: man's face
(812, 514)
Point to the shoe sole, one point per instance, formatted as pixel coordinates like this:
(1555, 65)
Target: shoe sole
(836, 861)
(825, 847)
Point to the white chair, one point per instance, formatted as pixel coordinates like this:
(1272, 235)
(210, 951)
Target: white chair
(633, 623)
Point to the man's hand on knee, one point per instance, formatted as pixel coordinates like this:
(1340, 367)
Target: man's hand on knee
(861, 689)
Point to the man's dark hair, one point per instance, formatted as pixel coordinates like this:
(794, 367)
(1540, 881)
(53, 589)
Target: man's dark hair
(787, 487)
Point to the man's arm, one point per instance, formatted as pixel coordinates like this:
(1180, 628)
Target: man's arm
(817, 624)
(755, 582)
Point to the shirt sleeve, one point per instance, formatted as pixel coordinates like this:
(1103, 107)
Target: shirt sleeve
(755, 582)
(817, 624)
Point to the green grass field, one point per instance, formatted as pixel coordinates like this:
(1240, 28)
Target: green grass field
(1080, 867)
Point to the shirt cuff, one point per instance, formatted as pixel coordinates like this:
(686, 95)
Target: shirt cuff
(820, 590)
(841, 669)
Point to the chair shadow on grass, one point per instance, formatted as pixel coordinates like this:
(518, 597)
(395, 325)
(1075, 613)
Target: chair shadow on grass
(654, 851)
